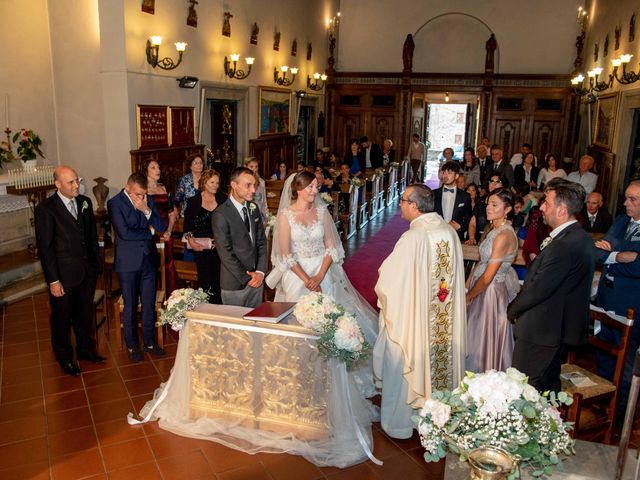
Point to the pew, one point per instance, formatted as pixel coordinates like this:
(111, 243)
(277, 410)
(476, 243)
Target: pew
(363, 215)
(404, 176)
(274, 190)
(392, 191)
(349, 218)
(374, 196)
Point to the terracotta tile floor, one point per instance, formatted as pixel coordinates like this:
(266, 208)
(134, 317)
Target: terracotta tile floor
(53, 426)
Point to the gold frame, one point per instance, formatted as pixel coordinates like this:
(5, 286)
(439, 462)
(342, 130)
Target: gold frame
(603, 135)
(139, 129)
(285, 97)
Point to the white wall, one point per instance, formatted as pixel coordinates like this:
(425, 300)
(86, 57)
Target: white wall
(533, 37)
(26, 75)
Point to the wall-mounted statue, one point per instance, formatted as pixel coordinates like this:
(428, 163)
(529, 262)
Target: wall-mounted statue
(616, 34)
(596, 48)
(192, 19)
(149, 6)
(309, 49)
(254, 34)
(276, 41)
(294, 48)
(407, 54)
(226, 25)
(490, 60)
(605, 50)
(632, 28)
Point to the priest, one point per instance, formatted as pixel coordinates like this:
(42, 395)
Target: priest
(421, 346)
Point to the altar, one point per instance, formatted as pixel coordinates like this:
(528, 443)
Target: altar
(262, 387)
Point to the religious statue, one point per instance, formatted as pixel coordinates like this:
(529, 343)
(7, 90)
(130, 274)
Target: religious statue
(276, 42)
(577, 63)
(596, 47)
(149, 6)
(605, 49)
(331, 61)
(254, 34)
(294, 48)
(616, 35)
(632, 28)
(309, 48)
(407, 54)
(226, 148)
(490, 46)
(226, 26)
(226, 121)
(192, 19)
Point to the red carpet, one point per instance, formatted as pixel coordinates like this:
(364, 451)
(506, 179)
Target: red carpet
(362, 268)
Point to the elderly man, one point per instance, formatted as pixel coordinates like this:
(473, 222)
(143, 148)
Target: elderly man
(595, 219)
(620, 280)
(500, 166)
(421, 346)
(583, 176)
(68, 249)
(552, 309)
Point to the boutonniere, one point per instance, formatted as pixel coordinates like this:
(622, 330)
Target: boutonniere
(252, 207)
(443, 291)
(545, 242)
(85, 205)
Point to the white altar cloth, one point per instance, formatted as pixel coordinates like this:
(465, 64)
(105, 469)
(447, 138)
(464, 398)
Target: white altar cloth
(261, 387)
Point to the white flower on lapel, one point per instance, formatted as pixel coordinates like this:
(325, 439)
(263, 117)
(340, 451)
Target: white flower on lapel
(85, 205)
(545, 242)
(252, 207)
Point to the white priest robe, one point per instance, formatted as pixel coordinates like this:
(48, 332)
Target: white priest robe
(421, 345)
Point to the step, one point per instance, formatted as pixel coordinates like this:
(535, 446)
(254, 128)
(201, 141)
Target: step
(22, 288)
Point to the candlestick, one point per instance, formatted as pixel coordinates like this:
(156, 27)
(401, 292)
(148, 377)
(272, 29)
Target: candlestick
(6, 109)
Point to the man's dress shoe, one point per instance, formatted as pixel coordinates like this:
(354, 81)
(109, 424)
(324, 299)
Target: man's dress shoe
(91, 357)
(70, 368)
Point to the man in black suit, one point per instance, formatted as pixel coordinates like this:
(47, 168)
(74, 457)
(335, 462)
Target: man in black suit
(595, 219)
(552, 309)
(485, 163)
(241, 242)
(68, 248)
(452, 203)
(500, 166)
(370, 154)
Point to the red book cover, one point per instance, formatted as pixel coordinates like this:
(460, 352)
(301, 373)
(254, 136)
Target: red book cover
(271, 312)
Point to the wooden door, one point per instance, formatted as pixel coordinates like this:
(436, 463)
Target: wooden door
(546, 138)
(381, 128)
(348, 126)
(507, 132)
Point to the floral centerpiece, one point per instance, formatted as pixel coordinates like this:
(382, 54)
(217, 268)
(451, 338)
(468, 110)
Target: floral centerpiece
(340, 334)
(326, 198)
(497, 409)
(181, 300)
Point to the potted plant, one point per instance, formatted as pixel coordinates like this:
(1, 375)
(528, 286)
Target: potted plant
(27, 147)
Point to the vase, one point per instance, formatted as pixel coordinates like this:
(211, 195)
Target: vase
(490, 463)
(100, 191)
(29, 164)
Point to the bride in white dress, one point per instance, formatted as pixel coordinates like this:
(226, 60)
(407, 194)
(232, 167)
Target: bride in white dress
(307, 255)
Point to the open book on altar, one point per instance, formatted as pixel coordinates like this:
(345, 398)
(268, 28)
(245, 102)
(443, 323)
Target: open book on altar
(271, 312)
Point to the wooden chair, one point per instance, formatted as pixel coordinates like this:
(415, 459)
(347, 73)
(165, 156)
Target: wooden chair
(177, 232)
(186, 272)
(160, 298)
(594, 407)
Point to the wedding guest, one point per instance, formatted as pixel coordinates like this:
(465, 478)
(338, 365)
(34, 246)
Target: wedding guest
(583, 175)
(370, 153)
(197, 222)
(447, 155)
(518, 158)
(135, 220)
(344, 178)
(472, 190)
(300, 167)
(352, 158)
(417, 153)
(281, 173)
(500, 166)
(167, 211)
(485, 164)
(319, 161)
(68, 249)
(529, 199)
(188, 184)
(325, 182)
(452, 203)
(550, 170)
(595, 219)
(408, 359)
(478, 221)
(470, 168)
(519, 217)
(493, 285)
(537, 231)
(260, 195)
(460, 181)
(526, 172)
(388, 152)
(334, 160)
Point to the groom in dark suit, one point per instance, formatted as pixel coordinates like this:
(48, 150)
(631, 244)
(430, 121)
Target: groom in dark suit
(68, 249)
(241, 242)
(135, 220)
(552, 309)
(451, 203)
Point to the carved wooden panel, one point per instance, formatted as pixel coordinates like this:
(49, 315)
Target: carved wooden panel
(507, 133)
(604, 164)
(546, 138)
(273, 149)
(348, 127)
(382, 126)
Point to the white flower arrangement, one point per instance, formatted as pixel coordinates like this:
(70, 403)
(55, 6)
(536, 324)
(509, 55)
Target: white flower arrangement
(379, 172)
(498, 409)
(181, 300)
(394, 164)
(356, 182)
(340, 334)
(326, 198)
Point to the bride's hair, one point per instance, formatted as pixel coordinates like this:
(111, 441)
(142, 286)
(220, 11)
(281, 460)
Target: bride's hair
(300, 182)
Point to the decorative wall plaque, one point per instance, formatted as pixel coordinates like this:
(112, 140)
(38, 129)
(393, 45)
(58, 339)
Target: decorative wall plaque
(254, 34)
(309, 50)
(617, 32)
(152, 125)
(182, 125)
(605, 50)
(192, 19)
(294, 48)
(276, 41)
(632, 28)
(226, 25)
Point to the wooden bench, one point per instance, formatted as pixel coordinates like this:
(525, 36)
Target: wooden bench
(274, 191)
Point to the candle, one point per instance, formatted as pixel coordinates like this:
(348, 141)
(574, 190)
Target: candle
(6, 109)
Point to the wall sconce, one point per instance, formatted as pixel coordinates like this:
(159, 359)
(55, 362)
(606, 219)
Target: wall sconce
(153, 50)
(627, 77)
(594, 84)
(235, 72)
(315, 85)
(577, 85)
(284, 81)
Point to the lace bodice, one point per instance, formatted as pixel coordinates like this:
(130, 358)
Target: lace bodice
(307, 240)
(486, 247)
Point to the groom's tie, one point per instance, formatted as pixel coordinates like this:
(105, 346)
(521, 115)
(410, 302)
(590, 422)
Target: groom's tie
(245, 215)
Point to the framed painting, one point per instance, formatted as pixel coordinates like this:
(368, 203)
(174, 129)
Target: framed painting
(606, 109)
(152, 125)
(182, 131)
(273, 111)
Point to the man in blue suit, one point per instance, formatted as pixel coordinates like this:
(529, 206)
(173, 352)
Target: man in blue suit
(135, 220)
(620, 282)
